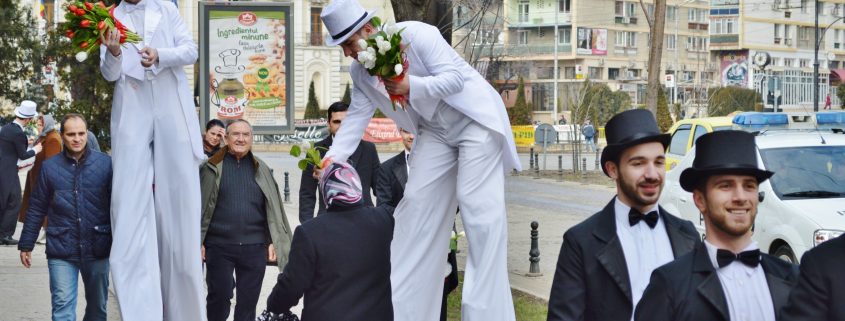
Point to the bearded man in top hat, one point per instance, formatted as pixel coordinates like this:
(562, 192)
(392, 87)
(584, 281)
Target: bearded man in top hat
(726, 277)
(464, 147)
(605, 261)
(13, 147)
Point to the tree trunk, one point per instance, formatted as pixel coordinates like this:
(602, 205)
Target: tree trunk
(655, 55)
(434, 12)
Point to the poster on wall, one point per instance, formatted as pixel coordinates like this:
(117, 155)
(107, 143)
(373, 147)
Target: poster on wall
(244, 64)
(592, 41)
(734, 68)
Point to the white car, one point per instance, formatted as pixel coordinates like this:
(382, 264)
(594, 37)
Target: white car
(803, 203)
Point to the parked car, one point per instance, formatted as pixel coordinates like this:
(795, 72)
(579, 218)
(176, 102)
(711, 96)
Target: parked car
(685, 132)
(803, 203)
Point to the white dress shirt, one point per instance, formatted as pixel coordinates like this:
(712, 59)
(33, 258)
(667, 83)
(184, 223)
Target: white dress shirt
(645, 248)
(745, 288)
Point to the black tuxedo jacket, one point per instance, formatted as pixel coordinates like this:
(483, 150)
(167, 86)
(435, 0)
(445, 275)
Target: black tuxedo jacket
(340, 262)
(820, 293)
(13, 147)
(364, 160)
(591, 282)
(390, 181)
(689, 289)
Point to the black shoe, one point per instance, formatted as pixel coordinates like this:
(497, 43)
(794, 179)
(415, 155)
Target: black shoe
(9, 241)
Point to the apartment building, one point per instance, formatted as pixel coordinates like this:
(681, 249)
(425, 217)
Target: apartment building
(783, 29)
(605, 41)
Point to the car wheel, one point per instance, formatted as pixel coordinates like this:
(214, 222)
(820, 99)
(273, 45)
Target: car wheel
(784, 252)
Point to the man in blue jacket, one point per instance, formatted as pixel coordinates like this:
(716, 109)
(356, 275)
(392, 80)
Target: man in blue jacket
(74, 193)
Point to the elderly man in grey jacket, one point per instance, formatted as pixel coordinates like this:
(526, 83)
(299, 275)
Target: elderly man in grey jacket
(243, 225)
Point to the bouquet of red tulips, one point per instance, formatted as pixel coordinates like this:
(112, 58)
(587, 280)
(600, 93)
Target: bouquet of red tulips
(86, 22)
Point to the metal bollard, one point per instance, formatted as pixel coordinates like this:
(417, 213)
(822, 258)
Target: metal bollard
(287, 187)
(531, 158)
(598, 156)
(584, 167)
(534, 253)
(560, 168)
(536, 167)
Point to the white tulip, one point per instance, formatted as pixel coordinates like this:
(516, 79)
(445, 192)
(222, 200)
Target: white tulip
(362, 43)
(370, 64)
(379, 39)
(391, 29)
(398, 69)
(81, 56)
(362, 56)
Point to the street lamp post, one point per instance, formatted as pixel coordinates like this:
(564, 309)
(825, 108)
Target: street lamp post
(819, 37)
(556, 43)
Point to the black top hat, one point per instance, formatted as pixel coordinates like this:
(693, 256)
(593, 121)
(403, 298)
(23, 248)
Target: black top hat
(723, 152)
(629, 128)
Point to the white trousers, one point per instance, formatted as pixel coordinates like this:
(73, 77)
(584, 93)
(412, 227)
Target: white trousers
(155, 255)
(455, 161)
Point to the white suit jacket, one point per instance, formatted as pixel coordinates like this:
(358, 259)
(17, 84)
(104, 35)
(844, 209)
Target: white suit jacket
(436, 72)
(166, 32)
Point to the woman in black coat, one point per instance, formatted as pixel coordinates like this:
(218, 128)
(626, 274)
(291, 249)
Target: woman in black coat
(339, 261)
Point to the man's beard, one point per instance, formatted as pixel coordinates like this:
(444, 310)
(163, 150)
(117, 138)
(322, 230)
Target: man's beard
(630, 190)
(721, 221)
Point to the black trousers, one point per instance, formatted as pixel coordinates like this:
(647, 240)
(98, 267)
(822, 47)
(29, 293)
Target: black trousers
(450, 283)
(248, 263)
(10, 204)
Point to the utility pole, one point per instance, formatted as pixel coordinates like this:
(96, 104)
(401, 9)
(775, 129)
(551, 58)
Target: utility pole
(557, 43)
(816, 63)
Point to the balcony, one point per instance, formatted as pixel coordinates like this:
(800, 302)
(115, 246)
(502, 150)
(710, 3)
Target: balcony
(512, 50)
(721, 40)
(546, 19)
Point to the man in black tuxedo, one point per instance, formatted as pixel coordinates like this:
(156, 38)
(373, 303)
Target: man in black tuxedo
(820, 292)
(390, 187)
(364, 160)
(726, 277)
(13, 146)
(605, 261)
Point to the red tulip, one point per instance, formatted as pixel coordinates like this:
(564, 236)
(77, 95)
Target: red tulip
(101, 4)
(101, 25)
(72, 8)
(85, 23)
(69, 34)
(122, 38)
(89, 5)
(79, 12)
(83, 45)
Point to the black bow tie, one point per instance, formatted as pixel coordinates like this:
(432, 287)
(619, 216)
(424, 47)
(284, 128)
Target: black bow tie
(749, 258)
(634, 217)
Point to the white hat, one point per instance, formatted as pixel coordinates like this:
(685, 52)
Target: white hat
(26, 109)
(343, 18)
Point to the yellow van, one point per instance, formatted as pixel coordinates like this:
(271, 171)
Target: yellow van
(685, 132)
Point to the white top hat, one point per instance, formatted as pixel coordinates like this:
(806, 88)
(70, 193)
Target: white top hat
(26, 109)
(343, 18)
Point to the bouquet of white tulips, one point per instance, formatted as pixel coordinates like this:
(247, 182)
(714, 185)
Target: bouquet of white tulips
(383, 55)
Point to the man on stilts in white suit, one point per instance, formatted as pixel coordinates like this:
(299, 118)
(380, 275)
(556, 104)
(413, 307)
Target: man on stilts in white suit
(463, 149)
(156, 149)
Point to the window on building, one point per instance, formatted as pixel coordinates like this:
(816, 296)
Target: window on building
(777, 34)
(626, 39)
(836, 39)
(316, 37)
(612, 73)
(522, 37)
(595, 72)
(696, 15)
(631, 9)
(619, 8)
(671, 13)
(564, 5)
(716, 27)
(671, 42)
(836, 8)
(729, 26)
(569, 72)
(788, 62)
(804, 7)
(523, 10)
(803, 63)
(650, 11)
(820, 8)
(565, 35)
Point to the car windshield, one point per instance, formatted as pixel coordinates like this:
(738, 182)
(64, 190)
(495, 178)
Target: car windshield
(806, 172)
(721, 128)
